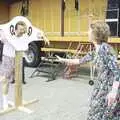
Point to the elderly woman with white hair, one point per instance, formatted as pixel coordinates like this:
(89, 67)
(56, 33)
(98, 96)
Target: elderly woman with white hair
(105, 100)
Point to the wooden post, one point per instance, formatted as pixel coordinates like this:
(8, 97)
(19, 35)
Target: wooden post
(18, 79)
(19, 102)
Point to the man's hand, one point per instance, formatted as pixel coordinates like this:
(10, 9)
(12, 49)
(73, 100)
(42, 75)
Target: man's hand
(47, 42)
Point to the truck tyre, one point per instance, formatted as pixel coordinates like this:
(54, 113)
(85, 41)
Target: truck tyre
(32, 57)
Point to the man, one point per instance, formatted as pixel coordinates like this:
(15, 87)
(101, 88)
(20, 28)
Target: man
(20, 29)
(7, 66)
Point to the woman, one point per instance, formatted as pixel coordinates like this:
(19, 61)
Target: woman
(105, 100)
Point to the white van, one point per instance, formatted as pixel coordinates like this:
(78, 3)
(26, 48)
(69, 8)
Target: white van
(36, 37)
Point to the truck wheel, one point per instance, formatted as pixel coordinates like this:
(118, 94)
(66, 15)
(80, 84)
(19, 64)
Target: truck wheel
(32, 56)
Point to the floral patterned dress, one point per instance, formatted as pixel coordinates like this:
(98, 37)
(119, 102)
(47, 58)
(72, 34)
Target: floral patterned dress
(107, 71)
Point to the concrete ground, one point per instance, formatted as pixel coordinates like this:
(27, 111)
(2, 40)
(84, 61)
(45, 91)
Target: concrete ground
(60, 99)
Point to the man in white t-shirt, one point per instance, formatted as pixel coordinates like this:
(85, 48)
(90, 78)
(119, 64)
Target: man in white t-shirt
(8, 59)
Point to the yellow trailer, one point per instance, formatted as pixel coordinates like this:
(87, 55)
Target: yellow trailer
(66, 22)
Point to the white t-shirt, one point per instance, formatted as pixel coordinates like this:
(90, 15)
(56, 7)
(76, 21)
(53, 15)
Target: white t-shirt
(19, 43)
(15, 44)
(8, 50)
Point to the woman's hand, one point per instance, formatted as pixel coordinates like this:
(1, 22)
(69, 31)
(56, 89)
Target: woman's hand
(111, 97)
(62, 60)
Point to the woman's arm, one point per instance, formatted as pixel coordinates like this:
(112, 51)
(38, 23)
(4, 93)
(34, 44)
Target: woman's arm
(116, 83)
(87, 58)
(84, 59)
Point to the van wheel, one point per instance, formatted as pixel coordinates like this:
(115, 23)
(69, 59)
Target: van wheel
(32, 56)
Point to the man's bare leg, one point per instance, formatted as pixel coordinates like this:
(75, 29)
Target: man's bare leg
(5, 92)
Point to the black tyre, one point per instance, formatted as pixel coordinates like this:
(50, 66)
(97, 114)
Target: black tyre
(32, 56)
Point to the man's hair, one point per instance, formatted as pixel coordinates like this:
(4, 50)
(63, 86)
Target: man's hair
(100, 31)
(20, 23)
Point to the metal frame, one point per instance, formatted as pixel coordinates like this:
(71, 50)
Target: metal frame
(114, 19)
(47, 66)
